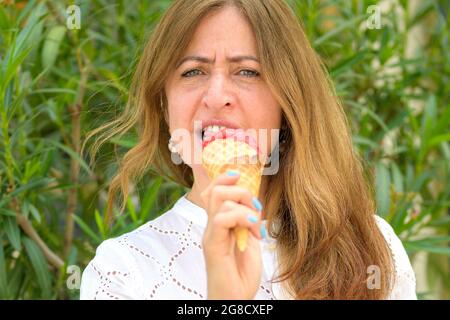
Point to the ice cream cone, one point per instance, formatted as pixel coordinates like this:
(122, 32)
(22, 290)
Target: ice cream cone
(232, 153)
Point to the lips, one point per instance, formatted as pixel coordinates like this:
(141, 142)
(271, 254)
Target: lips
(209, 131)
(212, 126)
(228, 133)
(220, 122)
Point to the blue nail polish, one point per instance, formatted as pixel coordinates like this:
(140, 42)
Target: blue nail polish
(253, 219)
(263, 231)
(257, 204)
(232, 173)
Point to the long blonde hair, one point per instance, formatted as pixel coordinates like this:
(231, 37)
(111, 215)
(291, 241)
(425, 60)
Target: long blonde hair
(320, 203)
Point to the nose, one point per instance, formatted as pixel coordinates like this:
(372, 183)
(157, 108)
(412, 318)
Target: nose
(219, 92)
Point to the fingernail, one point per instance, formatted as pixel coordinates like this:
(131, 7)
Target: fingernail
(232, 173)
(257, 204)
(253, 219)
(263, 231)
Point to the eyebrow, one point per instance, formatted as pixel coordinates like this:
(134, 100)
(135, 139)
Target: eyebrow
(207, 60)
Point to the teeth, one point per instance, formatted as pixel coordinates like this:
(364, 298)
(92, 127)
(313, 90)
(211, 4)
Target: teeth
(213, 129)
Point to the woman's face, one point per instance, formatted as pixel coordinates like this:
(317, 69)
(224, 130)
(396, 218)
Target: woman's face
(219, 86)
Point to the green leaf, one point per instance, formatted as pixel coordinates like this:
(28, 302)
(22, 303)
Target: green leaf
(55, 90)
(443, 222)
(414, 247)
(385, 50)
(365, 142)
(34, 184)
(87, 230)
(15, 280)
(397, 178)
(25, 209)
(47, 161)
(51, 46)
(438, 140)
(398, 120)
(126, 141)
(420, 181)
(370, 113)
(4, 19)
(20, 47)
(34, 212)
(40, 267)
(99, 222)
(429, 115)
(13, 232)
(443, 122)
(73, 154)
(10, 68)
(343, 26)
(31, 6)
(131, 210)
(431, 240)
(347, 64)
(382, 184)
(445, 148)
(7, 212)
(114, 79)
(149, 199)
(427, 126)
(27, 36)
(3, 276)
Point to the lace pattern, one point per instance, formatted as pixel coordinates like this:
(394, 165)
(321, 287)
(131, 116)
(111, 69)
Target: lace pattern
(163, 259)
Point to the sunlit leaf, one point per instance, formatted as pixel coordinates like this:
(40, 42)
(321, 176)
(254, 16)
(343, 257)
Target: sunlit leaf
(382, 184)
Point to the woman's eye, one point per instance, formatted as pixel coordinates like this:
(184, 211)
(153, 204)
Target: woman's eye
(248, 73)
(188, 74)
(251, 73)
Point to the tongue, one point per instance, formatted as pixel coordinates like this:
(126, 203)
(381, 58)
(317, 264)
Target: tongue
(227, 133)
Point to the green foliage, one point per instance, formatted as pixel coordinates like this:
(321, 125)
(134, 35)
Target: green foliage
(53, 80)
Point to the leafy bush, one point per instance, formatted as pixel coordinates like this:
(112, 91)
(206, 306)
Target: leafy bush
(58, 83)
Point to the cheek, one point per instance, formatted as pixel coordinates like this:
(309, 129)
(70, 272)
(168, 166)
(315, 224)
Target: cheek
(180, 115)
(266, 116)
(270, 136)
(266, 109)
(181, 106)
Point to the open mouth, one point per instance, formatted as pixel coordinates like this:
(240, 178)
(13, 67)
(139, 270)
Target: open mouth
(209, 131)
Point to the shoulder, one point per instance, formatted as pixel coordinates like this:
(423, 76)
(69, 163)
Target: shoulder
(165, 234)
(395, 244)
(405, 280)
(123, 265)
(111, 274)
(127, 248)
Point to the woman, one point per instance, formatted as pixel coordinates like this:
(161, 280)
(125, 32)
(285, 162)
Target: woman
(323, 239)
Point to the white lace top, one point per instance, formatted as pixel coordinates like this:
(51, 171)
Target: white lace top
(163, 259)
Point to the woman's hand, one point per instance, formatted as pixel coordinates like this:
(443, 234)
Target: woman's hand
(231, 274)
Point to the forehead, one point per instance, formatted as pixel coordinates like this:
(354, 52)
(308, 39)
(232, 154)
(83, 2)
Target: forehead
(225, 29)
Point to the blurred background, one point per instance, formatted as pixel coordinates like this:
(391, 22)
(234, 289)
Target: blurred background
(65, 68)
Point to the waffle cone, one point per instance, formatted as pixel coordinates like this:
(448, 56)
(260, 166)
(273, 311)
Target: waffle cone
(223, 155)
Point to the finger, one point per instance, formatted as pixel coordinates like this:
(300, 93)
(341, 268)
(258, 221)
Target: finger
(227, 178)
(237, 194)
(224, 222)
(229, 205)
